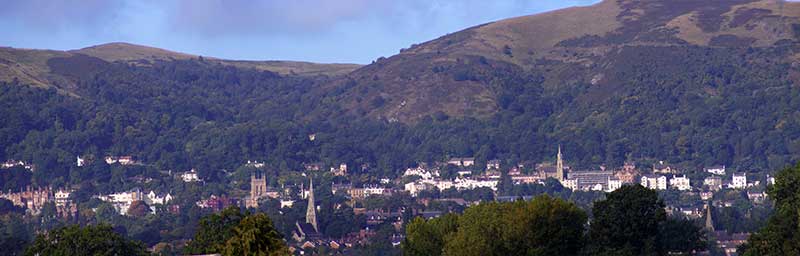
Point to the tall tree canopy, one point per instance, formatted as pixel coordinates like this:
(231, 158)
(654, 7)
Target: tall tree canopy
(427, 238)
(781, 235)
(543, 226)
(214, 230)
(255, 235)
(627, 223)
(90, 240)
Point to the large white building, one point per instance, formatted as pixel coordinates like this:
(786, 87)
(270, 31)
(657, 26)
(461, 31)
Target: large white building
(657, 182)
(472, 183)
(414, 188)
(739, 181)
(421, 172)
(680, 183)
(123, 200)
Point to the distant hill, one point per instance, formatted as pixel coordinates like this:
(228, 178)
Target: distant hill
(35, 67)
(694, 83)
(459, 74)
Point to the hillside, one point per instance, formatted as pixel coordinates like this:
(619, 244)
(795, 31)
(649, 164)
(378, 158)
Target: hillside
(694, 83)
(459, 74)
(36, 67)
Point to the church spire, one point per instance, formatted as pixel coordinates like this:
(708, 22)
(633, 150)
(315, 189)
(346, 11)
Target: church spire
(560, 166)
(709, 221)
(311, 212)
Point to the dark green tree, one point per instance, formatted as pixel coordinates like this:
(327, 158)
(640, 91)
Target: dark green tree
(255, 235)
(627, 223)
(543, 226)
(89, 240)
(215, 230)
(781, 235)
(428, 237)
(681, 236)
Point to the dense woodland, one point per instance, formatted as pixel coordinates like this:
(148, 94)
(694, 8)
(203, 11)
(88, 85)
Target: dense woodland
(687, 105)
(691, 106)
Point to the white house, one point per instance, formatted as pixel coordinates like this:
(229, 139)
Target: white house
(414, 188)
(80, 162)
(680, 183)
(613, 184)
(718, 170)
(713, 182)
(287, 203)
(443, 184)
(472, 184)
(657, 182)
(123, 160)
(123, 200)
(190, 176)
(153, 198)
(466, 161)
(571, 184)
(421, 172)
(62, 198)
(739, 181)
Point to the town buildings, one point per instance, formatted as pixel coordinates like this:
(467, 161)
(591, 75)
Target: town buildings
(462, 161)
(739, 181)
(652, 181)
(680, 183)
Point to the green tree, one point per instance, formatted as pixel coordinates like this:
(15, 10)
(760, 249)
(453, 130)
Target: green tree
(681, 236)
(627, 223)
(781, 235)
(214, 230)
(15, 235)
(255, 235)
(90, 240)
(543, 226)
(428, 237)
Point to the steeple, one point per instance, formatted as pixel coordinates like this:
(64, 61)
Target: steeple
(709, 221)
(560, 166)
(311, 212)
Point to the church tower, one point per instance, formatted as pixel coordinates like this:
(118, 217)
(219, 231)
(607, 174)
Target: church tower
(560, 166)
(311, 212)
(709, 221)
(258, 188)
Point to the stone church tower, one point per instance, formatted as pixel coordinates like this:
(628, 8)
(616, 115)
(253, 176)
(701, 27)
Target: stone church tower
(258, 189)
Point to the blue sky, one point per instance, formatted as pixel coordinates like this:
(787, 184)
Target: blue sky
(329, 31)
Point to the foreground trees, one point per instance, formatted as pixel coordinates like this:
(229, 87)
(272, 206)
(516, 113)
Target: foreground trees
(90, 240)
(781, 235)
(543, 226)
(255, 235)
(233, 232)
(631, 221)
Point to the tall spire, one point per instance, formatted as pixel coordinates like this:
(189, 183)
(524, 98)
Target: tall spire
(559, 166)
(709, 221)
(311, 212)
